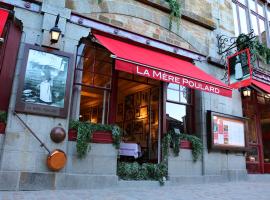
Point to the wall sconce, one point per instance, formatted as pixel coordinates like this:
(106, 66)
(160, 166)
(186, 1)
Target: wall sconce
(246, 92)
(55, 31)
(267, 96)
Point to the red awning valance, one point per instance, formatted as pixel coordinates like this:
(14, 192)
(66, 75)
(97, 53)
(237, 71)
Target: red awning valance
(157, 65)
(3, 20)
(263, 86)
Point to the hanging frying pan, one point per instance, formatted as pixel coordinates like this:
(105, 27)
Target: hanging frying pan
(56, 159)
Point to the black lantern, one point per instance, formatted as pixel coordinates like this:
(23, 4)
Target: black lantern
(55, 31)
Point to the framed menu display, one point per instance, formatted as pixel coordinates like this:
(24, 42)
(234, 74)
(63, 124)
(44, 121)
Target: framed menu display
(226, 132)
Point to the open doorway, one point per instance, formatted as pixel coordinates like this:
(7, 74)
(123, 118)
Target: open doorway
(138, 107)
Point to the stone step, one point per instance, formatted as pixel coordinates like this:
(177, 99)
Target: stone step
(259, 177)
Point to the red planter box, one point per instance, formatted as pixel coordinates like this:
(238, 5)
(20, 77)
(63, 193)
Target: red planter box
(2, 128)
(184, 144)
(72, 135)
(97, 137)
(102, 137)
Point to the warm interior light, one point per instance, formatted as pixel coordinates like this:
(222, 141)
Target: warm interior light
(55, 34)
(246, 92)
(55, 31)
(267, 96)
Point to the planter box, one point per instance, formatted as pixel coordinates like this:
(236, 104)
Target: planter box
(72, 135)
(2, 127)
(104, 137)
(184, 144)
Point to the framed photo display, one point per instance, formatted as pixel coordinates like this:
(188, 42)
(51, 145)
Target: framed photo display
(226, 132)
(44, 85)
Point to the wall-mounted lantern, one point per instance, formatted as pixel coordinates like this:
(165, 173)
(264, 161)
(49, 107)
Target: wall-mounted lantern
(246, 92)
(55, 31)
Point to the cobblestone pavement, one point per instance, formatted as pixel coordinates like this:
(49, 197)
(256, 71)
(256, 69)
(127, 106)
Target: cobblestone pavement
(224, 191)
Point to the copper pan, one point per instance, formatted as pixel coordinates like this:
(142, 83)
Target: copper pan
(56, 159)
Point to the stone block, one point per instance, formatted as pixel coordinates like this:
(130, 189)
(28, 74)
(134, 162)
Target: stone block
(183, 164)
(18, 161)
(76, 181)
(76, 165)
(37, 181)
(32, 36)
(76, 32)
(70, 46)
(24, 15)
(9, 180)
(49, 22)
(56, 8)
(104, 165)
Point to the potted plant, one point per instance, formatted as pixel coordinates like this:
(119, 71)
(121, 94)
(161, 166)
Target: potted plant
(85, 133)
(3, 121)
(185, 141)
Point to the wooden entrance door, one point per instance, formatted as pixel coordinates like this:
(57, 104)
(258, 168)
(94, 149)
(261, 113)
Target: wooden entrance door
(254, 157)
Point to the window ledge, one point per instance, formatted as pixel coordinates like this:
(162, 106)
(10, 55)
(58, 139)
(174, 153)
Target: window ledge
(187, 15)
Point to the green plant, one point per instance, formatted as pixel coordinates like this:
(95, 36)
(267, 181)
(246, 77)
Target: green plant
(146, 171)
(175, 7)
(3, 117)
(196, 142)
(85, 131)
(258, 50)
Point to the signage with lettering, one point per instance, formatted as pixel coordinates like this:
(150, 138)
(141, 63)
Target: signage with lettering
(169, 77)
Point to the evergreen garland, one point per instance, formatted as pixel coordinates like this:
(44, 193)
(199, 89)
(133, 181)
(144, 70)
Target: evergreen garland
(197, 146)
(85, 131)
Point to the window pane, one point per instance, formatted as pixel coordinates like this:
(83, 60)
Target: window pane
(173, 86)
(173, 95)
(243, 20)
(242, 1)
(254, 24)
(236, 28)
(268, 13)
(252, 5)
(93, 108)
(260, 9)
(176, 116)
(184, 94)
(262, 30)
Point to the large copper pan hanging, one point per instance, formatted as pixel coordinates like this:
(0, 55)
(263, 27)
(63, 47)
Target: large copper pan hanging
(56, 159)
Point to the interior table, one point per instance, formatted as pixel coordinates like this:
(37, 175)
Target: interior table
(130, 149)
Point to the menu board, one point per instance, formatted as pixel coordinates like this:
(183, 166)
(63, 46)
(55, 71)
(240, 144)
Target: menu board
(227, 132)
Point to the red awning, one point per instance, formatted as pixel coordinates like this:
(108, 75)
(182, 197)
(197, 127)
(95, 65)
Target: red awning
(157, 65)
(3, 19)
(263, 86)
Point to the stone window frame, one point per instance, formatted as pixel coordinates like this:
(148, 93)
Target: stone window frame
(249, 12)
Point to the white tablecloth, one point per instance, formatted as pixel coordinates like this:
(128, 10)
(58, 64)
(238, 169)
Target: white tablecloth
(130, 149)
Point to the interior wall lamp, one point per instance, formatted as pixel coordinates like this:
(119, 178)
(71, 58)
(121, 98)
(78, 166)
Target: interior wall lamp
(55, 31)
(246, 92)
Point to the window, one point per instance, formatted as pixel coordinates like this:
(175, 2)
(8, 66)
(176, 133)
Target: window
(251, 14)
(179, 108)
(94, 77)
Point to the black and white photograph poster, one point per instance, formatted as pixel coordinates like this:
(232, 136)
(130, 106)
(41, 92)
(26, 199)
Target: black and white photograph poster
(44, 82)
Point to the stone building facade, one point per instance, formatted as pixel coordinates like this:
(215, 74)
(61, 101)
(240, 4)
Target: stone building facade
(22, 161)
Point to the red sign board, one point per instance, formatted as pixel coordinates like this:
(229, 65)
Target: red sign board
(173, 78)
(239, 69)
(3, 19)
